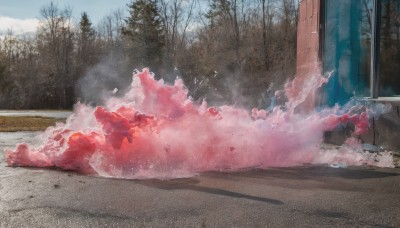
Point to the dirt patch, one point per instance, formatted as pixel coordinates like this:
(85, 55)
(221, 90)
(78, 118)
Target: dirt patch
(26, 123)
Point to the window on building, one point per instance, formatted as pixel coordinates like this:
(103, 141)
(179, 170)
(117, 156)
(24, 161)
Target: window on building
(347, 30)
(346, 43)
(389, 53)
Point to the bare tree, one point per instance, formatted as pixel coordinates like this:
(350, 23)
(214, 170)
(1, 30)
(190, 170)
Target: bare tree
(177, 16)
(56, 44)
(246, 43)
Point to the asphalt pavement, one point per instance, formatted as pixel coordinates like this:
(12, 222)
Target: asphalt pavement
(309, 196)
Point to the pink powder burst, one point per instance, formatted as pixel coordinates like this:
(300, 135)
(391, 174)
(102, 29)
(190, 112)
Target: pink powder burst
(156, 131)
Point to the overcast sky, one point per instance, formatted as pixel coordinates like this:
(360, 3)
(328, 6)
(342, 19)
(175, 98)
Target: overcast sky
(23, 15)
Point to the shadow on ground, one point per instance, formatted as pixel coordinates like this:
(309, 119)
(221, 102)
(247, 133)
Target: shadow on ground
(312, 172)
(191, 184)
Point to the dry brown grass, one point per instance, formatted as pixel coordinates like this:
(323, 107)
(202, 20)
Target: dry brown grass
(26, 123)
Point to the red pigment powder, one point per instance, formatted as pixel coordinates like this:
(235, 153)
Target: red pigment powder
(157, 131)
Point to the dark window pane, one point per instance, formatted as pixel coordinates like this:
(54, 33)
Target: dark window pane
(389, 62)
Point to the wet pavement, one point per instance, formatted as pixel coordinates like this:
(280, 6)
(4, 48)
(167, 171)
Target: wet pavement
(44, 113)
(311, 196)
(10, 139)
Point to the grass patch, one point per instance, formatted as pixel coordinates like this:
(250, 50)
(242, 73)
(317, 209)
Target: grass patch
(26, 123)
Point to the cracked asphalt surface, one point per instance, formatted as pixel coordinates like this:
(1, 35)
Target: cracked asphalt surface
(313, 196)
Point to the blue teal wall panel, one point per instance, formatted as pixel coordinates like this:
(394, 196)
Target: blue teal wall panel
(345, 52)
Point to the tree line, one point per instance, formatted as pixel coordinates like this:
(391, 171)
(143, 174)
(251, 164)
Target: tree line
(226, 51)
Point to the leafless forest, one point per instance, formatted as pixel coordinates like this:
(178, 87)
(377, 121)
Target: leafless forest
(226, 51)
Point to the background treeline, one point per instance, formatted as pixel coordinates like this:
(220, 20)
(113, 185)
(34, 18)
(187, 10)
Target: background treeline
(231, 51)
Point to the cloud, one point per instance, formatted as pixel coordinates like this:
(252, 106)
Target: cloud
(18, 26)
